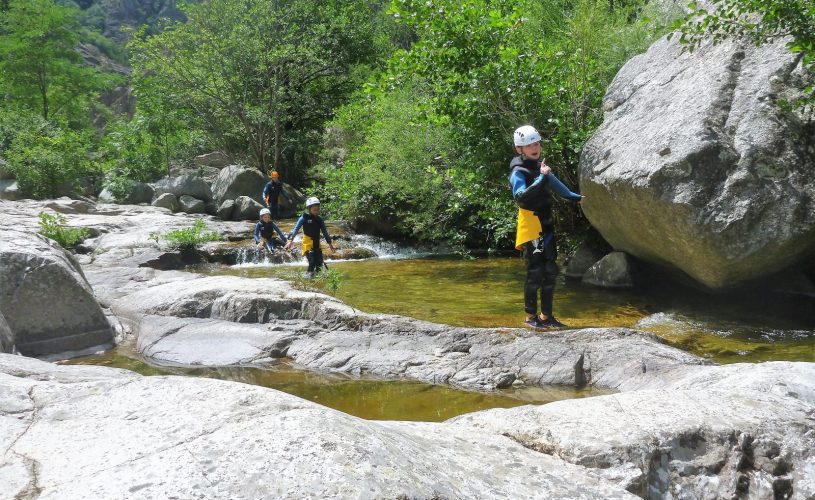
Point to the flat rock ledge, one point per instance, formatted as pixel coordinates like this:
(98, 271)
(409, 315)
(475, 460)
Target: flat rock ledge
(73, 432)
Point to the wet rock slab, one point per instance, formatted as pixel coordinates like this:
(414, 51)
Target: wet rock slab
(95, 432)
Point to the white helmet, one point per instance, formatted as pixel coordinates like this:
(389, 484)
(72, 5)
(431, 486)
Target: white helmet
(526, 135)
(265, 211)
(312, 201)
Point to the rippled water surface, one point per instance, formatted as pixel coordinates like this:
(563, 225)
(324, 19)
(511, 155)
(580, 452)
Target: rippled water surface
(488, 292)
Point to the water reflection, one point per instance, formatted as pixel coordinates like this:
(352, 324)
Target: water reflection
(487, 292)
(365, 398)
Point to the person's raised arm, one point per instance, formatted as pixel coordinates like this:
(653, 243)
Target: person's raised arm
(561, 189)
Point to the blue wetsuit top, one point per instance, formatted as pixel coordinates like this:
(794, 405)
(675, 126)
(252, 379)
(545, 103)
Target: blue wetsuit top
(265, 230)
(519, 185)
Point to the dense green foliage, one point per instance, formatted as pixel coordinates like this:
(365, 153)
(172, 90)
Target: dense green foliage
(427, 147)
(50, 161)
(760, 20)
(40, 67)
(398, 113)
(260, 78)
(55, 227)
(191, 236)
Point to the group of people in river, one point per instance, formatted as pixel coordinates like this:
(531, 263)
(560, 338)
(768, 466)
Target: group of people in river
(532, 182)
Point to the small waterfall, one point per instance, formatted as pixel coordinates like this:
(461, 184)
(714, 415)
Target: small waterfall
(253, 256)
(385, 249)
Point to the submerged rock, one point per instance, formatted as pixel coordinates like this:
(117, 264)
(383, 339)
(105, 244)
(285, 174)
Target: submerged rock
(46, 301)
(698, 167)
(615, 270)
(581, 261)
(80, 432)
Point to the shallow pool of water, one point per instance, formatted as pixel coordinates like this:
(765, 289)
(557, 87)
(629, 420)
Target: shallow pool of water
(488, 292)
(371, 399)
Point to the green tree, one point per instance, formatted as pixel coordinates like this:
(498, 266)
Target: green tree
(760, 20)
(40, 68)
(50, 160)
(259, 77)
(488, 67)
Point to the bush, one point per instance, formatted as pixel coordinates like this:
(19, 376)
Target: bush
(192, 236)
(55, 228)
(49, 160)
(326, 280)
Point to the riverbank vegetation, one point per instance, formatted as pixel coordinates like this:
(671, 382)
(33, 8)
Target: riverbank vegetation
(397, 113)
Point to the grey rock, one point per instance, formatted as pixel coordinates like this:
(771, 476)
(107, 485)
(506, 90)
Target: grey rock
(695, 163)
(45, 298)
(215, 159)
(184, 185)
(236, 180)
(184, 437)
(9, 190)
(191, 205)
(322, 333)
(581, 261)
(701, 443)
(67, 205)
(139, 192)
(246, 208)
(211, 208)
(168, 201)
(6, 337)
(612, 271)
(226, 209)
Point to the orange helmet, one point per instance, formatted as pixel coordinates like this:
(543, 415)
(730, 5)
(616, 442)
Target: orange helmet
(274, 174)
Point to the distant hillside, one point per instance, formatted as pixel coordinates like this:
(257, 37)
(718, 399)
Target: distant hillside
(108, 23)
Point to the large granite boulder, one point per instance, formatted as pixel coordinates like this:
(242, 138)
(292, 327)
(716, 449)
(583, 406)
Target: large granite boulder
(137, 192)
(236, 180)
(96, 432)
(189, 185)
(45, 298)
(698, 167)
(246, 208)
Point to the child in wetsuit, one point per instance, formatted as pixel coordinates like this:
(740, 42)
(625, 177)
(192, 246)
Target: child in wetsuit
(312, 225)
(265, 231)
(272, 192)
(532, 184)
